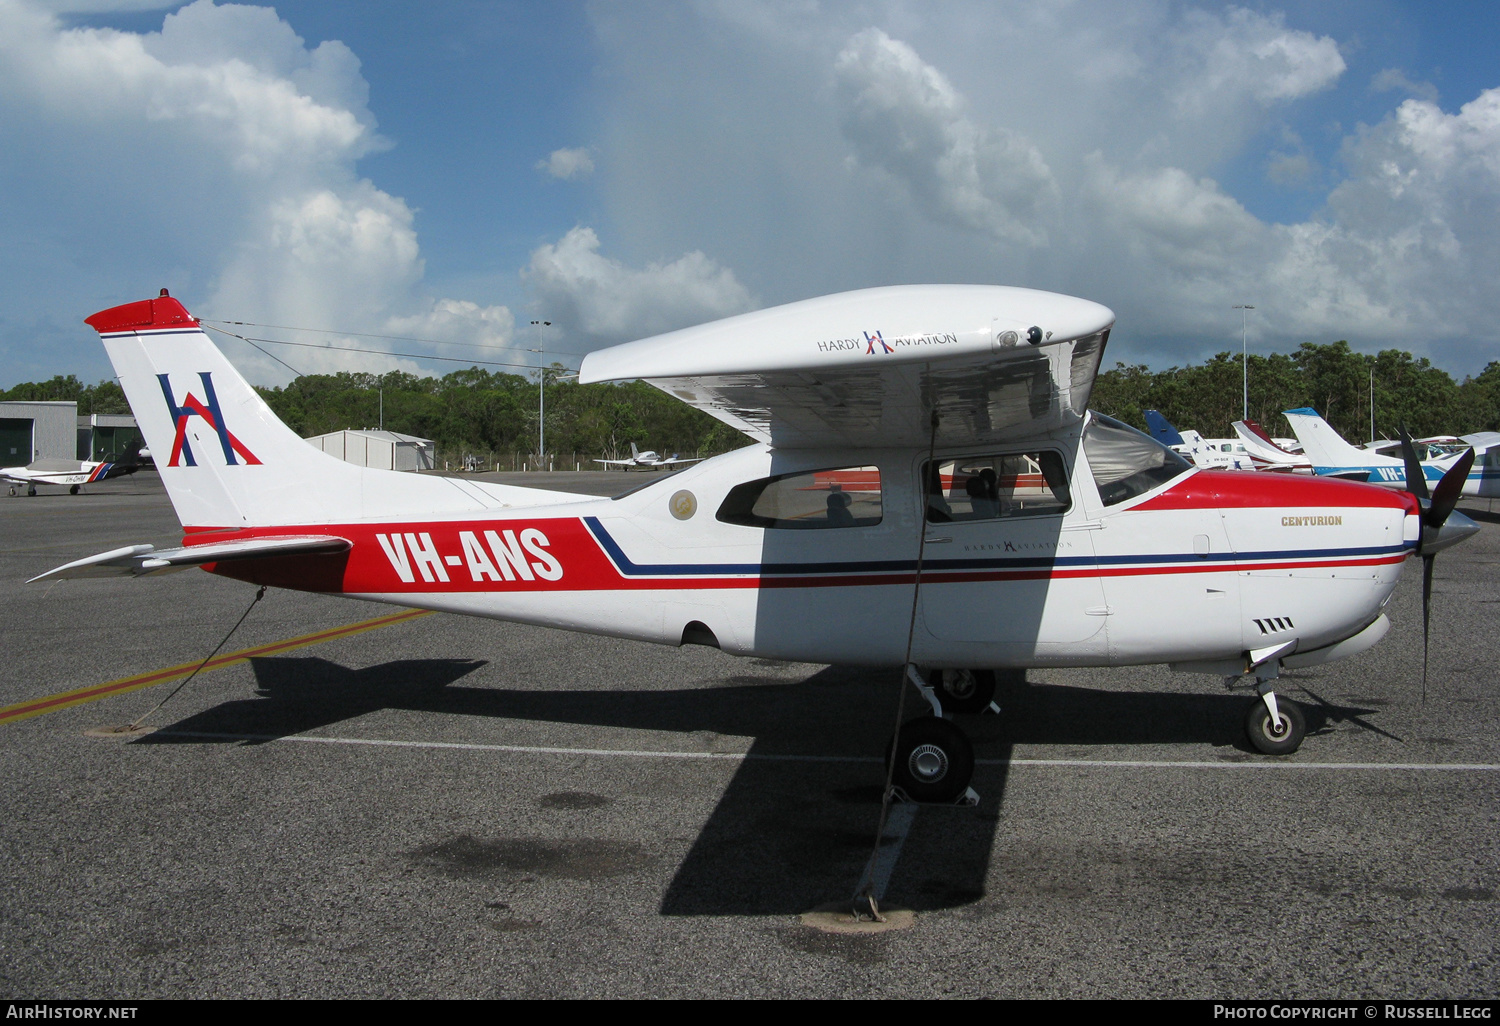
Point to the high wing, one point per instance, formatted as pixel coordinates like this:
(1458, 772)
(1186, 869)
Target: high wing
(866, 368)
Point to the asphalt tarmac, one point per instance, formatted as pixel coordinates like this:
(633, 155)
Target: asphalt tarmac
(458, 808)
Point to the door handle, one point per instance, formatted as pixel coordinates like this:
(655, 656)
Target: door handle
(937, 541)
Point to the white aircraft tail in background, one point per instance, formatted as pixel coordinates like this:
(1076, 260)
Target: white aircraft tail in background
(1267, 453)
(1332, 456)
(1208, 453)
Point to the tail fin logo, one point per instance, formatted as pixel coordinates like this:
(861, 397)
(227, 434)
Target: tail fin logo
(208, 409)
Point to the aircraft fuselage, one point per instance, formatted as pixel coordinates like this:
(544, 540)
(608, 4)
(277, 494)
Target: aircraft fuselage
(1208, 567)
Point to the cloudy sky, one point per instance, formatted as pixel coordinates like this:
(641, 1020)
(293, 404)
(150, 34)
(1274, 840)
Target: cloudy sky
(452, 171)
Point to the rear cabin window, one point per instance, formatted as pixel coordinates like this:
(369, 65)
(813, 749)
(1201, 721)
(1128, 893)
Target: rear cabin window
(1030, 484)
(809, 501)
(1125, 462)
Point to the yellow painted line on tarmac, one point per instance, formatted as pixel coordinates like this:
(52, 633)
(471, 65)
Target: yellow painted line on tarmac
(65, 699)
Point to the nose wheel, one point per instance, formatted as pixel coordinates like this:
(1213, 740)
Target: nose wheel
(1275, 727)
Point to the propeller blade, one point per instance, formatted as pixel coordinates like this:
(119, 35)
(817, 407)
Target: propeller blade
(1416, 480)
(1445, 495)
(1427, 562)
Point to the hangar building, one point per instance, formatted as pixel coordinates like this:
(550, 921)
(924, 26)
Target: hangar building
(31, 431)
(106, 436)
(383, 450)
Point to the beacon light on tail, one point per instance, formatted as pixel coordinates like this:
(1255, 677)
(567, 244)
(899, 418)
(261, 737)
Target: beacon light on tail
(917, 448)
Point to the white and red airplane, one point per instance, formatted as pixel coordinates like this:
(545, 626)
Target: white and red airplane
(1274, 454)
(927, 488)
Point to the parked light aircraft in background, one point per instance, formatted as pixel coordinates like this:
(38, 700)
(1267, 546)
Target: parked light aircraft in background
(1208, 453)
(1331, 456)
(1269, 453)
(649, 459)
(927, 489)
(72, 474)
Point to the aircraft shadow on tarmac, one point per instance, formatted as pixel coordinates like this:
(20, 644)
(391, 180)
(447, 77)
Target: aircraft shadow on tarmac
(787, 834)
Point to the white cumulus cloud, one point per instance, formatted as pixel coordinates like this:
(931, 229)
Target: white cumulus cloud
(567, 164)
(215, 157)
(598, 296)
(902, 116)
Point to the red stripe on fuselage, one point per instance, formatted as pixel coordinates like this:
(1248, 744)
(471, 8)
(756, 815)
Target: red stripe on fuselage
(1226, 489)
(367, 568)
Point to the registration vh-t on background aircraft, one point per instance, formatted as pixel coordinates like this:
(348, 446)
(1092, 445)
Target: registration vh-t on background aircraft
(928, 488)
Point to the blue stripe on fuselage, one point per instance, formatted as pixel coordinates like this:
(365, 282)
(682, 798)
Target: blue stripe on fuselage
(630, 568)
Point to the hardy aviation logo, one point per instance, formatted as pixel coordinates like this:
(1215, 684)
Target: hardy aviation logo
(208, 409)
(870, 342)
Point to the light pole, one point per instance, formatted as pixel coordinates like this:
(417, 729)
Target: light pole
(541, 395)
(1244, 355)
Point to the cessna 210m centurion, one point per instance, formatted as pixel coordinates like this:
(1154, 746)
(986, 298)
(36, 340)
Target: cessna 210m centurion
(928, 488)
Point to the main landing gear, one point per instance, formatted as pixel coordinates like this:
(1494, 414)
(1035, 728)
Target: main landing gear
(73, 490)
(933, 757)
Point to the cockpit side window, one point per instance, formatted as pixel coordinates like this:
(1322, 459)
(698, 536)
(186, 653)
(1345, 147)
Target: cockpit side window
(1125, 462)
(1026, 484)
(811, 500)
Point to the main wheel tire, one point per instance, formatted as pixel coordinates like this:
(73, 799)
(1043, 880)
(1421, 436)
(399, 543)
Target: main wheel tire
(31, 490)
(73, 490)
(1263, 734)
(934, 760)
(963, 691)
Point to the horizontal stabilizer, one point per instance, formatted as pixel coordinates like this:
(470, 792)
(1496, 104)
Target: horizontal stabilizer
(144, 560)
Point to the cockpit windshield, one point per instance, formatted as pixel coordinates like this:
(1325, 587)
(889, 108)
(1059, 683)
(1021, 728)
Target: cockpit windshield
(1126, 462)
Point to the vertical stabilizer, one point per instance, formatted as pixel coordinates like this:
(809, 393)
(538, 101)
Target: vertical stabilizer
(1264, 451)
(225, 458)
(1161, 429)
(1324, 446)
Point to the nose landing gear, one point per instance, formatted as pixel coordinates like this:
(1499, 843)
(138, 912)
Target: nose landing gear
(1277, 732)
(1275, 727)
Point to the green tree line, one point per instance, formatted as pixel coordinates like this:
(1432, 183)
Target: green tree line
(487, 413)
(495, 415)
(1330, 378)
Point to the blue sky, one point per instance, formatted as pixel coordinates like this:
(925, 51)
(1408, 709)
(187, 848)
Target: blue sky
(382, 168)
